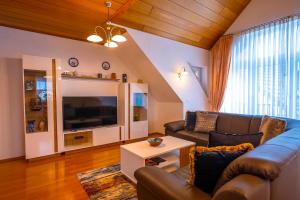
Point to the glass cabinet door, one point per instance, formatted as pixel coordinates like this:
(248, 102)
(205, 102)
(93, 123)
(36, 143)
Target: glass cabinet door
(36, 111)
(139, 106)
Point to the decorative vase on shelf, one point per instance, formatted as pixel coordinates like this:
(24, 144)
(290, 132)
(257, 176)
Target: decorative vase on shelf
(124, 78)
(30, 125)
(42, 125)
(113, 76)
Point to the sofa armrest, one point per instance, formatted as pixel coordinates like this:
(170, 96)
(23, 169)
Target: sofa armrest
(156, 184)
(175, 126)
(244, 187)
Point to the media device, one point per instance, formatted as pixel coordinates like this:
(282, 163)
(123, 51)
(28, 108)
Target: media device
(86, 112)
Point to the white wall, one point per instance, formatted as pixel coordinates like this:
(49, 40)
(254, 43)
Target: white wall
(165, 112)
(161, 58)
(11, 109)
(261, 11)
(168, 57)
(14, 44)
(166, 103)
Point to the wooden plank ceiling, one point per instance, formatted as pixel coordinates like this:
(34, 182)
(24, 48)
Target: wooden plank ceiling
(195, 22)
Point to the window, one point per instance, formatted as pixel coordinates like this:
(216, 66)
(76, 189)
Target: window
(264, 76)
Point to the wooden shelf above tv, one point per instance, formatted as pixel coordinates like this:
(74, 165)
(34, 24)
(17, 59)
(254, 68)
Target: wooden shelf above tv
(64, 76)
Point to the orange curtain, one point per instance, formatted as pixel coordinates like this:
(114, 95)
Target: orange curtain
(220, 65)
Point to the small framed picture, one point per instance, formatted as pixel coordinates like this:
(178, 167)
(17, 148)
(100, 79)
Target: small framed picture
(73, 62)
(106, 65)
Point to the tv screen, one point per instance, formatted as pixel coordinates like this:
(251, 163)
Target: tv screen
(86, 112)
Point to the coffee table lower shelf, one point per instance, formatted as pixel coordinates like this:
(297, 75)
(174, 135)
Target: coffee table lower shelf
(170, 158)
(171, 163)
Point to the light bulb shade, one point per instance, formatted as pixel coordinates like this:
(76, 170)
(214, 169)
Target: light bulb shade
(94, 38)
(119, 38)
(111, 44)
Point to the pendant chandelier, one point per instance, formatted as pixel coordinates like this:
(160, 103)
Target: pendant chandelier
(111, 40)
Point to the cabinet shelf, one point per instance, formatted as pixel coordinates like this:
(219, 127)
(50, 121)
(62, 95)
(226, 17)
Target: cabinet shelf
(87, 77)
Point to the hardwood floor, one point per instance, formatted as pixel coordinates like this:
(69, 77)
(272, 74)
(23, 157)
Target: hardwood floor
(53, 178)
(56, 177)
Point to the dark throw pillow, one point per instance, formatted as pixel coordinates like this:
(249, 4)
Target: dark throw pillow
(227, 139)
(208, 164)
(190, 120)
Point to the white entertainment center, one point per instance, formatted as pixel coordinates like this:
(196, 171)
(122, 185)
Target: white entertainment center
(43, 127)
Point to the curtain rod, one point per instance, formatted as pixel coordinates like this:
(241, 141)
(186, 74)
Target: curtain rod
(264, 24)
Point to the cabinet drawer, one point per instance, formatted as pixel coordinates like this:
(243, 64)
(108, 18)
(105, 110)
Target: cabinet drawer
(78, 138)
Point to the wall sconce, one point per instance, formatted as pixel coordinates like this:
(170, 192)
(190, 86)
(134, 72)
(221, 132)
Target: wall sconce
(181, 72)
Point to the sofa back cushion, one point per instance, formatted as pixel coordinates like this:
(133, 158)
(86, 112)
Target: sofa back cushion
(291, 123)
(254, 124)
(237, 124)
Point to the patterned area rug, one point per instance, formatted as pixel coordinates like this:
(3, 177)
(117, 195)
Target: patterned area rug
(107, 184)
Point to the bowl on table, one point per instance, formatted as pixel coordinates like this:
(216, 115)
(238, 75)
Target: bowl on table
(155, 141)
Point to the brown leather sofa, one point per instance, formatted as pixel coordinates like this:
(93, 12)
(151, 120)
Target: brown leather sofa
(226, 123)
(269, 172)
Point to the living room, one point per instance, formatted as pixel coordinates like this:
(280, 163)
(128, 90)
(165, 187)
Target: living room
(150, 99)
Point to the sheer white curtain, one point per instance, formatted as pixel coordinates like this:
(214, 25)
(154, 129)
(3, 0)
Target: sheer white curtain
(264, 77)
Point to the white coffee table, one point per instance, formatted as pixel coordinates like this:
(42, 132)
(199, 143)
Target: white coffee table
(133, 155)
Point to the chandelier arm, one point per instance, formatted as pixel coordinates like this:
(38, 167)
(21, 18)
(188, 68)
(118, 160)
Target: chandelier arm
(102, 30)
(111, 31)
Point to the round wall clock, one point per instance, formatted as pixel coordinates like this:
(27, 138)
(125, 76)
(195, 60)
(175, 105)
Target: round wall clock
(73, 62)
(105, 65)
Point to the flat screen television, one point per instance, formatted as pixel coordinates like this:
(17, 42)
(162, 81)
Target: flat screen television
(87, 112)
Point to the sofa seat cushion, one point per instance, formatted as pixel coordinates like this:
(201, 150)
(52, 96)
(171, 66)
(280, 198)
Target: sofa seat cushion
(199, 138)
(227, 139)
